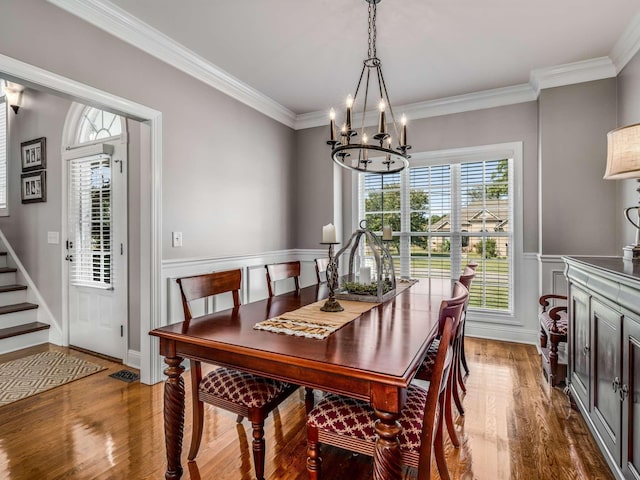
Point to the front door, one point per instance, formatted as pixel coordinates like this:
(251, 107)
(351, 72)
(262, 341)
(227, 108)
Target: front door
(96, 248)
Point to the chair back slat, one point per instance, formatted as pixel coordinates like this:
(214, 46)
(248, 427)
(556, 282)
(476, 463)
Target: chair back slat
(208, 284)
(452, 307)
(282, 271)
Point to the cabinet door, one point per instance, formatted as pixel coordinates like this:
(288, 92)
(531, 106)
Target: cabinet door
(631, 395)
(606, 410)
(579, 345)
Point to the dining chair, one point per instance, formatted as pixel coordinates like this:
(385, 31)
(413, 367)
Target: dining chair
(321, 267)
(472, 265)
(425, 371)
(282, 271)
(242, 393)
(466, 278)
(348, 423)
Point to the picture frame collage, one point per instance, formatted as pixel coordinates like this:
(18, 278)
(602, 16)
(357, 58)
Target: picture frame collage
(34, 175)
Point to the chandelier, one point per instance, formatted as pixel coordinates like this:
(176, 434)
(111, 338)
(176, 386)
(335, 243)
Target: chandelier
(372, 151)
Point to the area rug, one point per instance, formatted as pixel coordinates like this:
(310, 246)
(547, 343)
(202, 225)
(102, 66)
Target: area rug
(40, 372)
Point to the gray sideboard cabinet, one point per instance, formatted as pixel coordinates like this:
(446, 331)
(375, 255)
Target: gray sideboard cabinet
(604, 355)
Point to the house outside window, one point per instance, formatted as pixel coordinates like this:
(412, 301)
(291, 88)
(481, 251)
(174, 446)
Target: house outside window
(447, 211)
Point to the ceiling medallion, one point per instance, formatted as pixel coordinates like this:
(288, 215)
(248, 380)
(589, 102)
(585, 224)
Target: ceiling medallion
(374, 152)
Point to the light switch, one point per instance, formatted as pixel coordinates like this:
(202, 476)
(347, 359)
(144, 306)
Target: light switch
(53, 237)
(177, 239)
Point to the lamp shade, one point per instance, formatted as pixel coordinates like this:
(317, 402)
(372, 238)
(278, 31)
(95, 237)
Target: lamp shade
(623, 153)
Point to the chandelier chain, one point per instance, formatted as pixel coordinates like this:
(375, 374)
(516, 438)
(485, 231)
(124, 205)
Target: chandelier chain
(372, 30)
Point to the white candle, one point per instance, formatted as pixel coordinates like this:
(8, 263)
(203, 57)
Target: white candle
(329, 234)
(387, 233)
(365, 274)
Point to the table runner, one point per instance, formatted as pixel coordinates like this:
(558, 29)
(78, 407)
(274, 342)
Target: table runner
(311, 322)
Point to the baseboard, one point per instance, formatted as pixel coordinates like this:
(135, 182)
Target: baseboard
(503, 333)
(133, 359)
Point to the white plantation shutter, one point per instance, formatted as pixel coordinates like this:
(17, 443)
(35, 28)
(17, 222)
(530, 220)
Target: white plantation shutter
(452, 214)
(90, 220)
(3, 157)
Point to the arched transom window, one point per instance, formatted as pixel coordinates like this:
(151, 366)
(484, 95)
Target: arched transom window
(97, 124)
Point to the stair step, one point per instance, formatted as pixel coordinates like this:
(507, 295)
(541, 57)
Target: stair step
(22, 329)
(8, 270)
(11, 288)
(17, 307)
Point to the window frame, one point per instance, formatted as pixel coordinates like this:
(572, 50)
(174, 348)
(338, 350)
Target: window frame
(510, 150)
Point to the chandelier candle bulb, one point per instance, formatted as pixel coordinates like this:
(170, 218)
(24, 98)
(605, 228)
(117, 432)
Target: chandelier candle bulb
(387, 233)
(332, 124)
(349, 106)
(329, 233)
(382, 121)
(403, 132)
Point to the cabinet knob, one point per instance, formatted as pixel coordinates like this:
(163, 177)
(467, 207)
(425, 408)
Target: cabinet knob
(586, 350)
(624, 391)
(615, 384)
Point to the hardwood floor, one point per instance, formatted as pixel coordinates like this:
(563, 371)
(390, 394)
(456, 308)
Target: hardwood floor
(515, 427)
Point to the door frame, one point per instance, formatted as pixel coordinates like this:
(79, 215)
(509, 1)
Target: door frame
(69, 131)
(150, 194)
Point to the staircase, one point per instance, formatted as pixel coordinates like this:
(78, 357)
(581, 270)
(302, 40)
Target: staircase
(19, 325)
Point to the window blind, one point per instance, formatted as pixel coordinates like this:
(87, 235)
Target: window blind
(90, 221)
(451, 215)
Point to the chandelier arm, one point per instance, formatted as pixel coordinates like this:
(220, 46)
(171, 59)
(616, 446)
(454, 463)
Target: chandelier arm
(386, 94)
(355, 95)
(364, 111)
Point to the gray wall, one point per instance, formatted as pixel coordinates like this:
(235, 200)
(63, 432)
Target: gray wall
(26, 228)
(577, 207)
(628, 114)
(496, 125)
(227, 169)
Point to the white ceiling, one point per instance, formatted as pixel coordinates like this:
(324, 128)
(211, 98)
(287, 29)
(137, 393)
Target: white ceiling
(306, 55)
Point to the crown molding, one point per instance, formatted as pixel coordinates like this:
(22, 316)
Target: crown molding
(496, 97)
(116, 21)
(571, 73)
(627, 45)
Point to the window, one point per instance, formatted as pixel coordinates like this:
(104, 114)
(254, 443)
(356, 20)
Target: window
(446, 213)
(97, 125)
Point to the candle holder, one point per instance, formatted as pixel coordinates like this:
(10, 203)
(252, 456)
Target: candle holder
(332, 305)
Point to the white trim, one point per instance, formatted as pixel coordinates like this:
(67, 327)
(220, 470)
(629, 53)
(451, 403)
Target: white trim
(133, 359)
(150, 191)
(116, 21)
(571, 73)
(496, 97)
(627, 45)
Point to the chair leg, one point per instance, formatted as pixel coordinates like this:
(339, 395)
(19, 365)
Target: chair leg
(258, 448)
(454, 387)
(308, 399)
(314, 461)
(463, 357)
(239, 419)
(438, 446)
(553, 363)
(543, 338)
(447, 411)
(198, 410)
(458, 363)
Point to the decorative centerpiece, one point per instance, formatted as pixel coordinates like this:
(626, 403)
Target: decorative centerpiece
(362, 283)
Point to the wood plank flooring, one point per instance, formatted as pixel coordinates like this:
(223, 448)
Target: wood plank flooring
(515, 427)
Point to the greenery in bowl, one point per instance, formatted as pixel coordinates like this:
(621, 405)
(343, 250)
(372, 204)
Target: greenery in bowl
(366, 288)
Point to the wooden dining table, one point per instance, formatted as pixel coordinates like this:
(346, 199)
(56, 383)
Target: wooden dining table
(372, 358)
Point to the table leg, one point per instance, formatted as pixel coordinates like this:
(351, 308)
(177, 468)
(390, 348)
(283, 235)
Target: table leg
(386, 457)
(173, 416)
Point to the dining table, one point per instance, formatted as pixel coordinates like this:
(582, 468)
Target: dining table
(372, 358)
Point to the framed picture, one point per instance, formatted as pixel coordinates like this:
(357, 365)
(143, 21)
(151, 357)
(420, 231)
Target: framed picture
(34, 187)
(34, 154)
